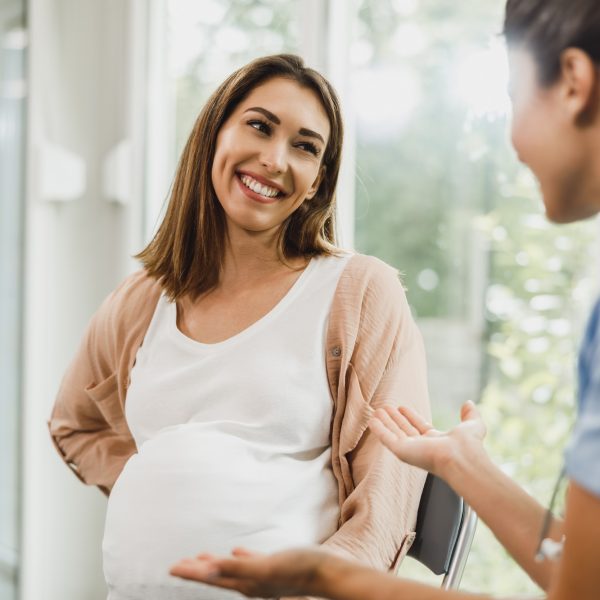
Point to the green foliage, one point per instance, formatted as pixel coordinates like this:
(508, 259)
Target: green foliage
(246, 29)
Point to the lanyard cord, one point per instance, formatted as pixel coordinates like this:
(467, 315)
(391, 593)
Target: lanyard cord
(541, 552)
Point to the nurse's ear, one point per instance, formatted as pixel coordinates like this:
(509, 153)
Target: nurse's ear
(580, 86)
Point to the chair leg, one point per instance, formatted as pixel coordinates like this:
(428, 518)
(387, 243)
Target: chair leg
(460, 554)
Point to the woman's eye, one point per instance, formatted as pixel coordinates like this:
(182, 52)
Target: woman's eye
(259, 125)
(309, 147)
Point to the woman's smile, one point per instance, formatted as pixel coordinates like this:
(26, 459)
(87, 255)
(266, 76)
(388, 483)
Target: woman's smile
(258, 188)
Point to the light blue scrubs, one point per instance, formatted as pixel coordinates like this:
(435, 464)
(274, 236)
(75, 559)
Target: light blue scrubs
(582, 457)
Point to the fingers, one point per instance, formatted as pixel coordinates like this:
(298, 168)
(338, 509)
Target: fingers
(206, 556)
(394, 421)
(402, 419)
(233, 574)
(243, 552)
(469, 413)
(197, 569)
(206, 566)
(393, 429)
(242, 567)
(390, 439)
(415, 419)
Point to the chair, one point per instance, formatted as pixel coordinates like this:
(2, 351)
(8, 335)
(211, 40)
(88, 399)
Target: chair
(444, 533)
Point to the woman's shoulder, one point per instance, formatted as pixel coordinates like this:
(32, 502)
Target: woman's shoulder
(131, 302)
(369, 289)
(366, 273)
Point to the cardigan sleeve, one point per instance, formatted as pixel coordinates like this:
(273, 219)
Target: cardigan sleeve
(87, 424)
(387, 366)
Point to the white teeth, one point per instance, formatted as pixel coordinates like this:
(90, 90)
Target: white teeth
(259, 188)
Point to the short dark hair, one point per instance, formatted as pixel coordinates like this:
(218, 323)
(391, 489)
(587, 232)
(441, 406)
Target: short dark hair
(186, 252)
(548, 27)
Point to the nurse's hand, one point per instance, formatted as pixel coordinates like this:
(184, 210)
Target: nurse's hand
(289, 573)
(415, 441)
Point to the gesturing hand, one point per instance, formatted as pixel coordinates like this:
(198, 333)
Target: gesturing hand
(289, 573)
(415, 441)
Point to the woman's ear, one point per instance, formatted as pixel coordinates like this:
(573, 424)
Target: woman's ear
(579, 83)
(316, 183)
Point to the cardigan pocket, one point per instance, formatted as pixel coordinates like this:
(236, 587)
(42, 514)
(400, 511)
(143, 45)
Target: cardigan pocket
(407, 542)
(357, 414)
(105, 396)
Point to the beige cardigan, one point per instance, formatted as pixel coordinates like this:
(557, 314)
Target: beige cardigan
(374, 356)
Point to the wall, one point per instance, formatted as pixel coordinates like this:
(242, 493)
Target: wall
(83, 221)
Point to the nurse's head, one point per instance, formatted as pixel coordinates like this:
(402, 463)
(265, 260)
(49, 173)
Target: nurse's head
(554, 56)
(262, 160)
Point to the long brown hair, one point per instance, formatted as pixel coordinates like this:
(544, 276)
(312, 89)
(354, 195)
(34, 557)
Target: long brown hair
(186, 253)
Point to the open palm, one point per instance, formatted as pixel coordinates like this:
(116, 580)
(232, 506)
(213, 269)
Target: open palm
(415, 441)
(288, 573)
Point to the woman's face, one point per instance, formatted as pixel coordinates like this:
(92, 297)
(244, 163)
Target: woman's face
(550, 141)
(268, 155)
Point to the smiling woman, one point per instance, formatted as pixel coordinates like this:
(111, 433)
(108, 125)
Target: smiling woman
(221, 395)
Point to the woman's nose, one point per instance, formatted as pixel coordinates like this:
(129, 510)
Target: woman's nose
(273, 157)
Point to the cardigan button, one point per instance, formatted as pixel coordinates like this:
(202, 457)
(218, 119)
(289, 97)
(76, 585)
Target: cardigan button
(336, 351)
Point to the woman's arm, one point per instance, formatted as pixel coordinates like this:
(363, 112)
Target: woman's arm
(458, 456)
(87, 424)
(385, 361)
(379, 514)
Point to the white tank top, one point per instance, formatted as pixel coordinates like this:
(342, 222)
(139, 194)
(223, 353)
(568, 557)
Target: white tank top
(233, 444)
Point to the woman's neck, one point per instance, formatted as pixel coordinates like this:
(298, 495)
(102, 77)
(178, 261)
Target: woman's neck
(251, 256)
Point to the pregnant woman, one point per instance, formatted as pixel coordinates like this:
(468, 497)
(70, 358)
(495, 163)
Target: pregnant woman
(221, 395)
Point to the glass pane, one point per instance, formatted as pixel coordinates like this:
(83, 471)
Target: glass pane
(210, 39)
(440, 195)
(12, 107)
(424, 172)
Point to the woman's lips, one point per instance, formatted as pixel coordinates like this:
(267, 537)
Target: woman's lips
(255, 195)
(258, 180)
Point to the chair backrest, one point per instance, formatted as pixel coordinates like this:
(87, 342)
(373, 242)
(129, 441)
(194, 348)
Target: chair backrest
(444, 533)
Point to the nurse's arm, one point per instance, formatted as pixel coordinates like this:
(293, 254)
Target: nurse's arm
(458, 457)
(578, 573)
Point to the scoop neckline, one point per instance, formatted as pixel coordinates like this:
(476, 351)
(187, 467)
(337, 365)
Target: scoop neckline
(263, 321)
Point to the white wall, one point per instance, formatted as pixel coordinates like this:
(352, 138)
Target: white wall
(83, 220)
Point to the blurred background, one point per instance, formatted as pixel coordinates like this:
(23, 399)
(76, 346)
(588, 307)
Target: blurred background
(96, 101)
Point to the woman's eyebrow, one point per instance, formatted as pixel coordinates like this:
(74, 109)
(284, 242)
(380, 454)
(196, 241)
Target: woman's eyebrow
(311, 133)
(267, 113)
(275, 119)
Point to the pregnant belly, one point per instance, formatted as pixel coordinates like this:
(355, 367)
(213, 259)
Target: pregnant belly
(189, 491)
